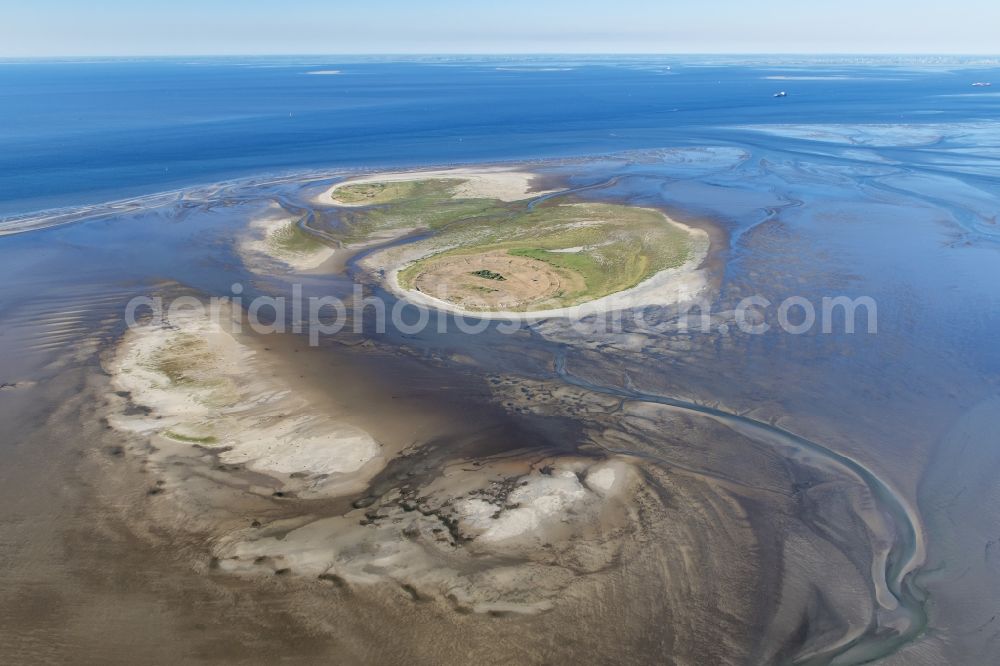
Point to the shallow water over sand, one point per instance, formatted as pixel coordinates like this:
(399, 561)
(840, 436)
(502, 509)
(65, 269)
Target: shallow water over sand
(824, 492)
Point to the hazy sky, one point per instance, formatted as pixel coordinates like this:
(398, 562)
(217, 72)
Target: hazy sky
(141, 27)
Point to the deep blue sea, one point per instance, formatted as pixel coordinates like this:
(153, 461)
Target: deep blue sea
(80, 132)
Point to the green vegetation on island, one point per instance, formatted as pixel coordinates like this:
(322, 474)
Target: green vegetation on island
(573, 252)
(291, 240)
(489, 275)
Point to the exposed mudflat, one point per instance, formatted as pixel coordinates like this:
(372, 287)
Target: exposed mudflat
(562, 491)
(490, 534)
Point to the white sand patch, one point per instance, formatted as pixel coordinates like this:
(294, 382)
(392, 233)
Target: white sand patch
(502, 185)
(544, 498)
(293, 445)
(569, 250)
(201, 387)
(487, 183)
(542, 502)
(263, 242)
(604, 478)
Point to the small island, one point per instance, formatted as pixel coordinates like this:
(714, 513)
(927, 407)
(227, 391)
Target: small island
(494, 250)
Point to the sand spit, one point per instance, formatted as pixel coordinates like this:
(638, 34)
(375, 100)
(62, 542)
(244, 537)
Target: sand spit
(277, 237)
(681, 284)
(506, 535)
(194, 388)
(489, 183)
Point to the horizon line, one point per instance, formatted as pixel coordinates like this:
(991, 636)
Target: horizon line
(953, 54)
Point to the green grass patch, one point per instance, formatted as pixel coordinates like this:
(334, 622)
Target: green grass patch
(424, 203)
(392, 191)
(181, 359)
(291, 239)
(489, 275)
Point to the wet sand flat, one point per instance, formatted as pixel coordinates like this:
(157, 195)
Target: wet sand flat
(563, 492)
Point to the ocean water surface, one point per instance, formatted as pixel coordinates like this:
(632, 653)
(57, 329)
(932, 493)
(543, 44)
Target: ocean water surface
(82, 132)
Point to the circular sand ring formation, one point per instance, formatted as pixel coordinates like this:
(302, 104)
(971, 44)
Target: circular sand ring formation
(496, 280)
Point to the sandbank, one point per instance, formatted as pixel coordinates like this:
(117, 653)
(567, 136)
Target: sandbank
(503, 184)
(192, 384)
